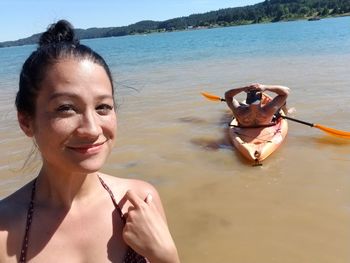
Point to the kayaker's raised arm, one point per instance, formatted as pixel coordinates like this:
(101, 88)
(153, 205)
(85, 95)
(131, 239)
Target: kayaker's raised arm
(277, 102)
(232, 103)
(278, 89)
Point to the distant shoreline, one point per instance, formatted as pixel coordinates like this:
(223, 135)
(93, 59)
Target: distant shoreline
(233, 25)
(32, 40)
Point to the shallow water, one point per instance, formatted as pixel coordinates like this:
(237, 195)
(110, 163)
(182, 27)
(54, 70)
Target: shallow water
(294, 208)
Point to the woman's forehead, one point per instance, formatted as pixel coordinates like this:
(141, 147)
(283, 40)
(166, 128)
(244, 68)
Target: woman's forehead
(76, 76)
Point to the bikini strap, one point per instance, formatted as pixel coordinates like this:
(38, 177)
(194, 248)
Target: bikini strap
(113, 199)
(30, 212)
(131, 256)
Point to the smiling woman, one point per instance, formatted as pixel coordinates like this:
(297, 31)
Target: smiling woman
(74, 127)
(65, 103)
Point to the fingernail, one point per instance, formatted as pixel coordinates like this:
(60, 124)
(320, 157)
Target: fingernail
(149, 198)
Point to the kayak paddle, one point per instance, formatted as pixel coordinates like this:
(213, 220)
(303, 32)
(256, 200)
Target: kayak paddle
(331, 131)
(212, 97)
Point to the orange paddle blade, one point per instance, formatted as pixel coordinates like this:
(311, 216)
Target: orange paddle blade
(211, 96)
(331, 131)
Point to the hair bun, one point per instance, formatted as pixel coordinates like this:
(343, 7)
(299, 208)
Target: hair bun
(60, 32)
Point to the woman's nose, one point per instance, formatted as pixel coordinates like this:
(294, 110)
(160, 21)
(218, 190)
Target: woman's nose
(89, 126)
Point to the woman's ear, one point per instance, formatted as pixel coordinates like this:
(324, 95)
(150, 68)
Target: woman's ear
(26, 123)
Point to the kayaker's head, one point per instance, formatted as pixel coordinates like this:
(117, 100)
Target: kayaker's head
(253, 97)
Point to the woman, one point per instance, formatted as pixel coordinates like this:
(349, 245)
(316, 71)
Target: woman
(72, 212)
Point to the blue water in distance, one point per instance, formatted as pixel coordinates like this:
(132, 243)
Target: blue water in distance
(132, 53)
(274, 39)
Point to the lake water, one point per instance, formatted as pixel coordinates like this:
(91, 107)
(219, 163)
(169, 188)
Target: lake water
(295, 208)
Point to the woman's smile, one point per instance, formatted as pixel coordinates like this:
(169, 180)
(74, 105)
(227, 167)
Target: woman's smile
(88, 148)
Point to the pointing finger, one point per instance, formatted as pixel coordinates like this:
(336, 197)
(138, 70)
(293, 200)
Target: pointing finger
(133, 198)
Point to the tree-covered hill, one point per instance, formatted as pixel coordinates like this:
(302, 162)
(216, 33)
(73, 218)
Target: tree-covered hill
(267, 11)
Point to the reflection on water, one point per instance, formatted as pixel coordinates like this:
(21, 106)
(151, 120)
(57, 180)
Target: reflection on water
(332, 140)
(193, 120)
(208, 142)
(212, 144)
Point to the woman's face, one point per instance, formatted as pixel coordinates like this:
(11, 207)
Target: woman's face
(75, 120)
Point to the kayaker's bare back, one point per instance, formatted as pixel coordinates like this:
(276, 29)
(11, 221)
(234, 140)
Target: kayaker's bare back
(252, 116)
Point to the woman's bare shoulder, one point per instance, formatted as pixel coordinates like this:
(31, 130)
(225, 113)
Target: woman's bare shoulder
(13, 212)
(122, 185)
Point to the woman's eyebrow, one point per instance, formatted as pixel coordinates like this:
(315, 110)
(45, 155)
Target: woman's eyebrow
(74, 95)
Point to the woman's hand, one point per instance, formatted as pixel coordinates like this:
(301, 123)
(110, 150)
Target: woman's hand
(146, 231)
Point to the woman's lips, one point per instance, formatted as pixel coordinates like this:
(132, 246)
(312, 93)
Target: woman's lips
(87, 148)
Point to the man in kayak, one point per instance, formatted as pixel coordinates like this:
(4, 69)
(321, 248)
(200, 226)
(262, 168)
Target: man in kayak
(253, 113)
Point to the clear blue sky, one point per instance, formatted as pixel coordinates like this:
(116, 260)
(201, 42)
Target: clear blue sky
(23, 18)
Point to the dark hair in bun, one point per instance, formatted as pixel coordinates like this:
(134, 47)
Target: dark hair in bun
(60, 32)
(57, 43)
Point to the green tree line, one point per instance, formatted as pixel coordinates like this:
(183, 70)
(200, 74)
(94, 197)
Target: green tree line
(267, 11)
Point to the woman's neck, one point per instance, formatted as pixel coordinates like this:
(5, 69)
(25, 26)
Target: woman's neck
(61, 189)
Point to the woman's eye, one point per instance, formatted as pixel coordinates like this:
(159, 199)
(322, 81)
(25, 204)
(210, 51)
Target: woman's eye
(66, 108)
(104, 109)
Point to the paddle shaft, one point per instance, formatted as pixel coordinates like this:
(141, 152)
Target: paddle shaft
(299, 121)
